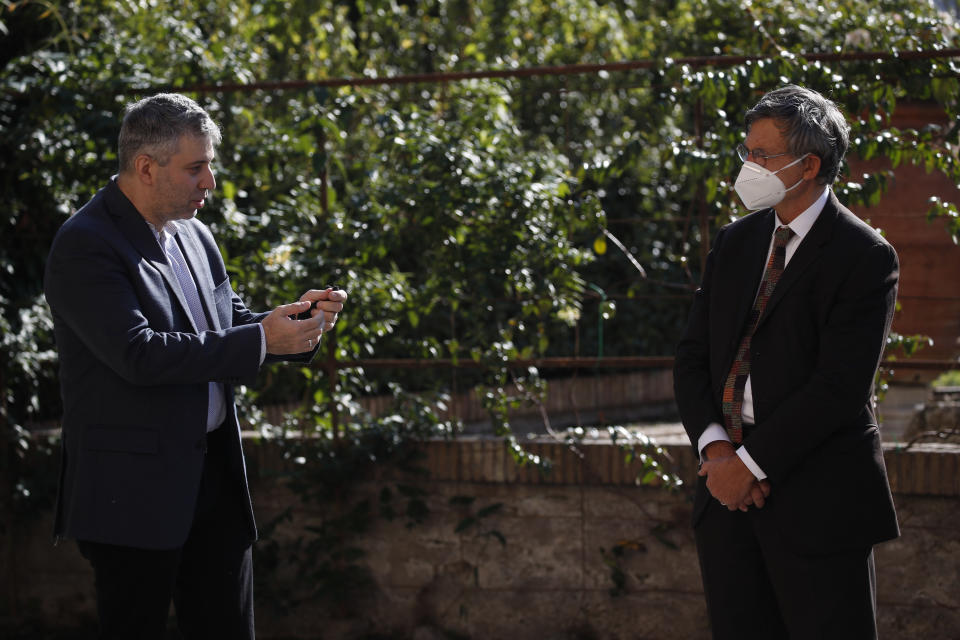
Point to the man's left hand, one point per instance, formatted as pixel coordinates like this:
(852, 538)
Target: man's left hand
(728, 480)
(328, 301)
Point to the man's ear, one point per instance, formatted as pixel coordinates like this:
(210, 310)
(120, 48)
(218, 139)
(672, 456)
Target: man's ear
(811, 167)
(144, 168)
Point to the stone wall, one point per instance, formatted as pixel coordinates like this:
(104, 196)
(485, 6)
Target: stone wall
(542, 565)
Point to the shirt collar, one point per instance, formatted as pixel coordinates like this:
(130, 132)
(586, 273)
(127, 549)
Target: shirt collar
(802, 224)
(169, 229)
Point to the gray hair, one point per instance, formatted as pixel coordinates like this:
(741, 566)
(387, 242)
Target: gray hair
(154, 126)
(810, 123)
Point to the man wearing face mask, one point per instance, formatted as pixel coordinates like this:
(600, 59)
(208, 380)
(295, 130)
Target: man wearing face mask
(774, 381)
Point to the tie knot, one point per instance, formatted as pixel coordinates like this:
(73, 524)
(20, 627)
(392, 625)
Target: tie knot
(782, 235)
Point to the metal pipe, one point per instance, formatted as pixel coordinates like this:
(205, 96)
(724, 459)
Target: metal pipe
(559, 70)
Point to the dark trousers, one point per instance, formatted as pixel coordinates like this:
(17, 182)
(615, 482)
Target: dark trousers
(209, 579)
(758, 588)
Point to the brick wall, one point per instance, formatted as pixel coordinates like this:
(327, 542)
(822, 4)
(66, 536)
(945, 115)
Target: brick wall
(551, 577)
(929, 260)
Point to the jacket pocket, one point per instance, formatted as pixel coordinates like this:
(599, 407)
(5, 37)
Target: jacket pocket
(840, 499)
(122, 439)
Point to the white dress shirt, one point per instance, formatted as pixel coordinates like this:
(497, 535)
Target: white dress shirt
(800, 226)
(216, 406)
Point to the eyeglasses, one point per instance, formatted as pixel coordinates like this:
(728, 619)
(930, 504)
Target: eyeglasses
(757, 154)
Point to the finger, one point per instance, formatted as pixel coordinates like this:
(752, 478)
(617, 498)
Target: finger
(329, 293)
(330, 307)
(310, 327)
(293, 308)
(312, 295)
(317, 295)
(765, 487)
(758, 496)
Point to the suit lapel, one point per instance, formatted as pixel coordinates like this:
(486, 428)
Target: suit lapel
(194, 255)
(751, 255)
(806, 254)
(132, 225)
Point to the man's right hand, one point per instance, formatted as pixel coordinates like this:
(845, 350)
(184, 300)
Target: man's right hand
(760, 489)
(287, 335)
(718, 449)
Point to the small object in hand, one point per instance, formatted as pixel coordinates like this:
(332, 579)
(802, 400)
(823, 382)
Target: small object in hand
(305, 315)
(335, 287)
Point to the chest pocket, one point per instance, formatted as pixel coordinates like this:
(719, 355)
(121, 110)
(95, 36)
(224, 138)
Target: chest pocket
(223, 300)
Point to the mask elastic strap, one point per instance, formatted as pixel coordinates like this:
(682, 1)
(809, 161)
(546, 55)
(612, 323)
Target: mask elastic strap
(787, 167)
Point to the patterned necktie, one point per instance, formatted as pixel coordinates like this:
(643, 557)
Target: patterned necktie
(216, 406)
(737, 378)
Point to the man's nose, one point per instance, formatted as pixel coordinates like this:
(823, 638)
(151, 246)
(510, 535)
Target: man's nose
(208, 181)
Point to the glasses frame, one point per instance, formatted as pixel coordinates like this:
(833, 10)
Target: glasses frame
(745, 154)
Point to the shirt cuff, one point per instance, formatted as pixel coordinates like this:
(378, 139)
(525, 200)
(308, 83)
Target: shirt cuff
(753, 466)
(263, 343)
(712, 433)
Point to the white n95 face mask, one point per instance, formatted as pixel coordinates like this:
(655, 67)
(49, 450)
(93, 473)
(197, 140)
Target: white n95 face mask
(760, 188)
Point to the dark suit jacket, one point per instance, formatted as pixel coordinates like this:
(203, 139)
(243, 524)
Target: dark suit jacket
(814, 356)
(134, 373)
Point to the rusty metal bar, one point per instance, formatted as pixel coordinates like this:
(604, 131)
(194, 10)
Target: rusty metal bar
(608, 362)
(561, 70)
(917, 363)
(639, 362)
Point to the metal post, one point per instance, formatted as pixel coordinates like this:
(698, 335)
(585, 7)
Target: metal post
(701, 196)
(330, 365)
(332, 370)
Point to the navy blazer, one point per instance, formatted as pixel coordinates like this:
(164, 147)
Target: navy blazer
(814, 356)
(134, 373)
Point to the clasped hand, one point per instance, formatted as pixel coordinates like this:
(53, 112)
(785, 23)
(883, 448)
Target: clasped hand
(286, 334)
(729, 480)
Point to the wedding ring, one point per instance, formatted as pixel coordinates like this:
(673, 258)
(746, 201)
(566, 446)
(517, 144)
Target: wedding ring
(310, 343)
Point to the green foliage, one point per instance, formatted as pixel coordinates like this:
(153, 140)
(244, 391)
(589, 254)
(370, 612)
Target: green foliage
(614, 559)
(898, 346)
(655, 466)
(947, 379)
(460, 216)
